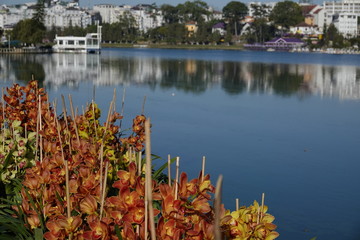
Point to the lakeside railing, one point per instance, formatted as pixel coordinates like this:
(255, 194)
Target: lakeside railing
(24, 50)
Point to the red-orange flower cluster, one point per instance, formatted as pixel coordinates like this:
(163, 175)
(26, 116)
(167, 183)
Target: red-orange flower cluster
(85, 185)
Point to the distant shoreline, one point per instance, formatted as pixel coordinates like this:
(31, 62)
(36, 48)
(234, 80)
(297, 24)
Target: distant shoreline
(173, 46)
(239, 47)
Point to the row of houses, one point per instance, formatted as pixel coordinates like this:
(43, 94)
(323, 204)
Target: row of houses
(343, 14)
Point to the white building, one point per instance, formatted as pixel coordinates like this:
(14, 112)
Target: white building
(347, 24)
(318, 15)
(63, 16)
(145, 17)
(351, 6)
(267, 7)
(57, 14)
(10, 15)
(109, 13)
(344, 14)
(306, 29)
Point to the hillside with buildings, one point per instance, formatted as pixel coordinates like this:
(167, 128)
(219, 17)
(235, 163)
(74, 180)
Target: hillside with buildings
(196, 22)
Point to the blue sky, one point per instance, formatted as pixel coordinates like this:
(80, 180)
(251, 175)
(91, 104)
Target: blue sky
(217, 4)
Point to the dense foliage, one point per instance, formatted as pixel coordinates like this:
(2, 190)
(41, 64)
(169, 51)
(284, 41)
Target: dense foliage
(264, 25)
(286, 14)
(72, 177)
(235, 11)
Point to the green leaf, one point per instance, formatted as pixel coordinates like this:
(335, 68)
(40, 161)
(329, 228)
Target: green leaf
(33, 205)
(31, 135)
(83, 135)
(161, 169)
(59, 197)
(39, 234)
(272, 236)
(117, 230)
(8, 159)
(314, 238)
(16, 123)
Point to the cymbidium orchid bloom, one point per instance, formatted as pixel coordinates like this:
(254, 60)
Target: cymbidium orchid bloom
(168, 230)
(33, 220)
(201, 205)
(126, 178)
(62, 227)
(89, 205)
(128, 232)
(135, 215)
(171, 207)
(185, 214)
(99, 229)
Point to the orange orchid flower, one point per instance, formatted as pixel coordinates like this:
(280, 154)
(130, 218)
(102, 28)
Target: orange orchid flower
(170, 206)
(128, 232)
(88, 205)
(167, 230)
(117, 216)
(33, 221)
(130, 198)
(135, 215)
(58, 227)
(99, 229)
(126, 178)
(201, 204)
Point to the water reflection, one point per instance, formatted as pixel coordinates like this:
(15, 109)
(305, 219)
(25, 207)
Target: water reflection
(188, 75)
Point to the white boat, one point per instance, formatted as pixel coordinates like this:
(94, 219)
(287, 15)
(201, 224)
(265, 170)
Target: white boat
(88, 44)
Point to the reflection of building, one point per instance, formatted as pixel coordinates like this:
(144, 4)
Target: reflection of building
(71, 69)
(339, 81)
(187, 74)
(342, 82)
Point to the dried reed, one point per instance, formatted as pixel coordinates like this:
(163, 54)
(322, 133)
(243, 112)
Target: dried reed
(169, 170)
(148, 179)
(217, 208)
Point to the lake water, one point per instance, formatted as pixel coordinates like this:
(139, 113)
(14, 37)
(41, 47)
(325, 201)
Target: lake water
(286, 124)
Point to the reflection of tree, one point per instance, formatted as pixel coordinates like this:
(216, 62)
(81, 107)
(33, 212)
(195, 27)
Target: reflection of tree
(26, 67)
(283, 81)
(186, 75)
(196, 76)
(233, 82)
(260, 73)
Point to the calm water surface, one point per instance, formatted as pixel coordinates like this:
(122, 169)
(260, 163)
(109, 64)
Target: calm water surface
(281, 123)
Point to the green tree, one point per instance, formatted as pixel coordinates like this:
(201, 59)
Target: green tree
(170, 13)
(176, 33)
(235, 11)
(193, 10)
(203, 34)
(286, 14)
(128, 27)
(29, 31)
(260, 31)
(260, 11)
(333, 38)
(39, 14)
(73, 31)
(228, 35)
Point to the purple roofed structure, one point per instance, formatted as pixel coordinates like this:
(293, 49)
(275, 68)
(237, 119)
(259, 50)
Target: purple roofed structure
(220, 28)
(278, 44)
(285, 42)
